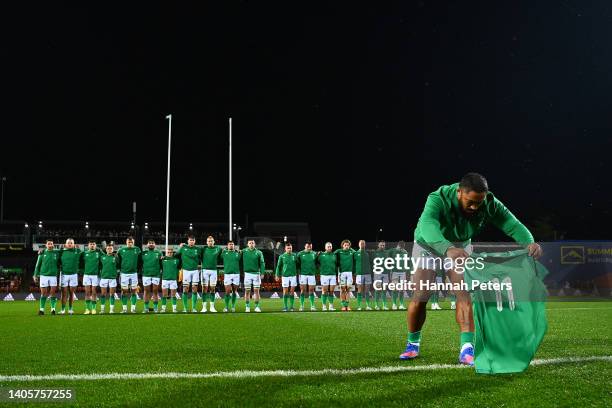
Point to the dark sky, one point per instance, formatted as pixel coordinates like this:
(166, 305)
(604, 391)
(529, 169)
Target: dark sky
(345, 116)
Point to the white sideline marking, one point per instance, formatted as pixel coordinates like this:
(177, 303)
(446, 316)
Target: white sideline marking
(274, 373)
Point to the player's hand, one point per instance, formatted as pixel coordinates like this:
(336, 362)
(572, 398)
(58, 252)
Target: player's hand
(182, 244)
(276, 278)
(36, 280)
(534, 250)
(454, 253)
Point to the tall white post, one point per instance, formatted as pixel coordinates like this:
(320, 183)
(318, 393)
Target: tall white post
(230, 179)
(169, 117)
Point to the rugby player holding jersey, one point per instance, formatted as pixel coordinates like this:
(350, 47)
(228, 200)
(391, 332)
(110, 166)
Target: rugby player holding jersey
(254, 266)
(170, 271)
(230, 257)
(109, 269)
(70, 259)
(90, 263)
(191, 257)
(211, 255)
(307, 269)
(287, 269)
(346, 265)
(328, 269)
(128, 260)
(47, 268)
(151, 270)
(363, 275)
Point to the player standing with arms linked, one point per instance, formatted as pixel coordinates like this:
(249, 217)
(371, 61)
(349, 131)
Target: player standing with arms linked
(128, 260)
(254, 266)
(191, 257)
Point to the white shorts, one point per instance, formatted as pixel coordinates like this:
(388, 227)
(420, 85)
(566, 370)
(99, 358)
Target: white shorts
(46, 281)
(288, 281)
(70, 280)
(129, 280)
(346, 278)
(328, 280)
(382, 277)
(309, 280)
(191, 277)
(150, 280)
(90, 280)
(363, 279)
(231, 279)
(252, 278)
(169, 284)
(396, 277)
(209, 277)
(108, 283)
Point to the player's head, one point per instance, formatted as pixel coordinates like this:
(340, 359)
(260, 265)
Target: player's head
(151, 244)
(251, 243)
(472, 192)
(362, 244)
(109, 249)
(91, 245)
(210, 241)
(49, 244)
(190, 240)
(129, 241)
(308, 246)
(401, 244)
(382, 244)
(230, 245)
(169, 251)
(328, 247)
(69, 243)
(345, 244)
(288, 247)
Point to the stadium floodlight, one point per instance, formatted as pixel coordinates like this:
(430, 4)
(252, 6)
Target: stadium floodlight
(26, 225)
(86, 225)
(230, 179)
(169, 117)
(146, 225)
(190, 227)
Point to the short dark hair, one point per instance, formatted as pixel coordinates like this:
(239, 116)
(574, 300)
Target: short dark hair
(150, 240)
(190, 236)
(49, 240)
(307, 243)
(91, 241)
(130, 238)
(474, 182)
(288, 244)
(230, 242)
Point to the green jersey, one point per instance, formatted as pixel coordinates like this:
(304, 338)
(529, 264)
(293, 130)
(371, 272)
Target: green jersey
(170, 267)
(287, 264)
(393, 253)
(211, 257)
(110, 266)
(48, 263)
(380, 254)
(362, 262)
(307, 263)
(90, 262)
(443, 224)
(190, 257)
(151, 262)
(345, 259)
(128, 259)
(71, 259)
(253, 261)
(327, 263)
(231, 261)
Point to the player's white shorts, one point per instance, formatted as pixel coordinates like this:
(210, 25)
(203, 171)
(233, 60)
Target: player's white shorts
(346, 278)
(209, 277)
(191, 277)
(309, 280)
(169, 284)
(71, 280)
(252, 278)
(328, 280)
(90, 280)
(363, 279)
(129, 280)
(46, 281)
(108, 283)
(150, 280)
(231, 279)
(396, 277)
(288, 281)
(382, 277)
(425, 259)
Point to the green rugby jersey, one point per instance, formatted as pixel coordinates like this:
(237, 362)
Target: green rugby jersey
(211, 257)
(443, 224)
(393, 252)
(128, 259)
(307, 263)
(327, 263)
(380, 254)
(287, 264)
(48, 263)
(231, 261)
(170, 267)
(109, 266)
(345, 259)
(151, 262)
(362, 262)
(253, 261)
(90, 262)
(71, 259)
(190, 257)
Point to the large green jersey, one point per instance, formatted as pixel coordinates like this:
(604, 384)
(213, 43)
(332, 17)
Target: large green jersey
(71, 260)
(128, 259)
(362, 262)
(110, 266)
(211, 257)
(327, 263)
(393, 252)
(345, 259)
(90, 262)
(231, 261)
(253, 261)
(48, 263)
(287, 264)
(190, 257)
(151, 262)
(170, 267)
(443, 224)
(307, 263)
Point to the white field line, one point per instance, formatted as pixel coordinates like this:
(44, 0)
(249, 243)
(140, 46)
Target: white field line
(274, 373)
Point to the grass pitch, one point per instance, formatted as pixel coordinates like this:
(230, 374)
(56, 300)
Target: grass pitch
(106, 345)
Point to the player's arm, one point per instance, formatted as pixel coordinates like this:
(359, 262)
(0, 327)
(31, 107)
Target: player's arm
(37, 268)
(118, 263)
(511, 226)
(298, 264)
(279, 266)
(262, 263)
(430, 226)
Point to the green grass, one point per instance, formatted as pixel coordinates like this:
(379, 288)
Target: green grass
(273, 340)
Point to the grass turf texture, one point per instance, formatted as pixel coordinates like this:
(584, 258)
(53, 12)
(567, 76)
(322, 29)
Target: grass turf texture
(294, 341)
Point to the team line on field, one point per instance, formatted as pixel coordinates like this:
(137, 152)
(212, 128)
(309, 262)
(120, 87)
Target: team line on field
(276, 373)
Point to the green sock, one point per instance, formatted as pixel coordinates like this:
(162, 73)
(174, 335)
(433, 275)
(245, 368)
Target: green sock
(285, 300)
(93, 304)
(414, 337)
(155, 304)
(434, 297)
(256, 303)
(453, 298)
(324, 299)
(302, 300)
(466, 337)
(185, 300)
(133, 299)
(376, 296)
(174, 301)
(87, 302)
(53, 302)
(146, 305)
(359, 299)
(401, 299)
(194, 300)
(43, 301)
(291, 301)
(164, 301)
(330, 299)
(112, 301)
(367, 299)
(234, 297)
(227, 300)
(394, 298)
(124, 300)
(247, 303)
(102, 300)
(312, 300)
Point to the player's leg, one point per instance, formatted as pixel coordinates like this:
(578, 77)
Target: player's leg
(465, 319)
(227, 299)
(185, 295)
(292, 284)
(330, 293)
(394, 293)
(43, 298)
(312, 283)
(165, 292)
(256, 295)
(303, 291)
(417, 311)
(94, 293)
(133, 291)
(400, 294)
(235, 287)
(103, 293)
(124, 292)
(146, 297)
(324, 292)
(112, 287)
(64, 295)
(247, 293)
(72, 284)
(285, 287)
(87, 287)
(155, 286)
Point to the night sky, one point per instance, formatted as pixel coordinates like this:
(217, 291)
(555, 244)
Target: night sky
(345, 116)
